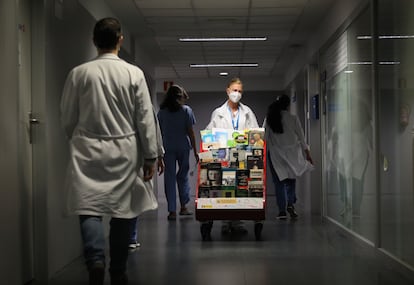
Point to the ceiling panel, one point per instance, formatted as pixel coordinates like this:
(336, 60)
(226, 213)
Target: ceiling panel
(227, 4)
(234, 12)
(157, 25)
(167, 12)
(278, 3)
(276, 12)
(157, 4)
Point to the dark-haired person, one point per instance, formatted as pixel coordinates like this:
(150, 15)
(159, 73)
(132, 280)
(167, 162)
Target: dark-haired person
(107, 115)
(285, 147)
(176, 122)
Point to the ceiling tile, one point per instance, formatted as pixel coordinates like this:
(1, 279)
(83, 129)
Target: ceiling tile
(158, 4)
(220, 4)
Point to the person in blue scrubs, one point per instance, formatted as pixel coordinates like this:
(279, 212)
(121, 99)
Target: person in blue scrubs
(176, 122)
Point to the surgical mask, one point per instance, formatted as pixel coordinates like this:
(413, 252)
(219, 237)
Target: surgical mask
(235, 96)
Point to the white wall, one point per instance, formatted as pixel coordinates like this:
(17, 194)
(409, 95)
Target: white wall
(68, 37)
(338, 15)
(10, 188)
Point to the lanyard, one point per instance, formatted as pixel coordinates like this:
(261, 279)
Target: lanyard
(234, 121)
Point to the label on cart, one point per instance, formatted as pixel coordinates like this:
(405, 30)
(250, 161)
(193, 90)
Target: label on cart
(230, 203)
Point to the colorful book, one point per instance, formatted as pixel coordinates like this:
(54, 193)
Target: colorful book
(256, 137)
(254, 162)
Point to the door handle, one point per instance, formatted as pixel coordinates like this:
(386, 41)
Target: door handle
(385, 163)
(32, 121)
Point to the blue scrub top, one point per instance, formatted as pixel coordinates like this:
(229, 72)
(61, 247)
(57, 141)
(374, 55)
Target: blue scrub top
(174, 128)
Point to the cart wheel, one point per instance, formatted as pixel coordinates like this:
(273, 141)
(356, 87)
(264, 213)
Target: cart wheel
(258, 227)
(205, 230)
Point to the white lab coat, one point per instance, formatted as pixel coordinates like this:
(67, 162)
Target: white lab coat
(108, 117)
(221, 118)
(287, 150)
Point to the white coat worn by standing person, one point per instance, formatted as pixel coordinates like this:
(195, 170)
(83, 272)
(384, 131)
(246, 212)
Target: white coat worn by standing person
(237, 116)
(108, 117)
(286, 147)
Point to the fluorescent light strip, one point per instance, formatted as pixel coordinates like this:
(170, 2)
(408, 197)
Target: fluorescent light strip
(369, 63)
(226, 65)
(222, 39)
(386, 37)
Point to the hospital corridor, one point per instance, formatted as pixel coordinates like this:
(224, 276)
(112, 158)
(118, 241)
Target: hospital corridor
(347, 71)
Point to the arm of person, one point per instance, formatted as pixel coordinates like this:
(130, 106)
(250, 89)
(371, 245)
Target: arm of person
(148, 169)
(253, 119)
(145, 125)
(161, 151)
(69, 106)
(300, 133)
(190, 132)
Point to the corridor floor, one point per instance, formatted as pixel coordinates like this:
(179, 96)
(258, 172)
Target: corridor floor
(307, 251)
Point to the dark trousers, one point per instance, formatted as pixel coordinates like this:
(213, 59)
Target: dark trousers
(93, 238)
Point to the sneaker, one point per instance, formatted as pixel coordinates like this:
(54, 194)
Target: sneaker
(225, 229)
(185, 212)
(172, 216)
(240, 229)
(292, 212)
(134, 245)
(282, 216)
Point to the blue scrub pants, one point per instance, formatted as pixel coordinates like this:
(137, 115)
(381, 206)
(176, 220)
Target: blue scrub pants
(93, 238)
(172, 178)
(134, 232)
(285, 189)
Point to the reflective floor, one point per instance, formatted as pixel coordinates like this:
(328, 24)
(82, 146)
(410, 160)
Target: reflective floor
(306, 251)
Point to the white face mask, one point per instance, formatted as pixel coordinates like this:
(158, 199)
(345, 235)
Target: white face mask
(235, 96)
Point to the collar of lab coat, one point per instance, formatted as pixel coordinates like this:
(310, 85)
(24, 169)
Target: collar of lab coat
(107, 56)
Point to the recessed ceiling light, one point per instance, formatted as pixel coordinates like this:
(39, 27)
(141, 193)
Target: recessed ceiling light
(222, 39)
(223, 73)
(225, 65)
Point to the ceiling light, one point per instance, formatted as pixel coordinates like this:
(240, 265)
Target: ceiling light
(369, 63)
(225, 65)
(223, 73)
(222, 39)
(396, 37)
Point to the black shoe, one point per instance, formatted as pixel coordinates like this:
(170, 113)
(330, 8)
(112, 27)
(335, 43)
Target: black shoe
(239, 229)
(291, 211)
(225, 229)
(258, 231)
(205, 230)
(96, 274)
(282, 216)
(119, 279)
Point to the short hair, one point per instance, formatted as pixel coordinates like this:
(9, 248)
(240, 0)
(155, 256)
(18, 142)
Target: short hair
(106, 33)
(235, 80)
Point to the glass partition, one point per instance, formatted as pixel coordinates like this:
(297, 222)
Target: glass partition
(350, 183)
(396, 127)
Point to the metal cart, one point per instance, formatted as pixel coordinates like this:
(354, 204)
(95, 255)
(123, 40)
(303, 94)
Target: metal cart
(208, 209)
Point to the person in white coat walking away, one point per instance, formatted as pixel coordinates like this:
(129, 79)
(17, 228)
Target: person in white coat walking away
(107, 115)
(286, 149)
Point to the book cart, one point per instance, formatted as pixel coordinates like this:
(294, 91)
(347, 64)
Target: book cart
(231, 178)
